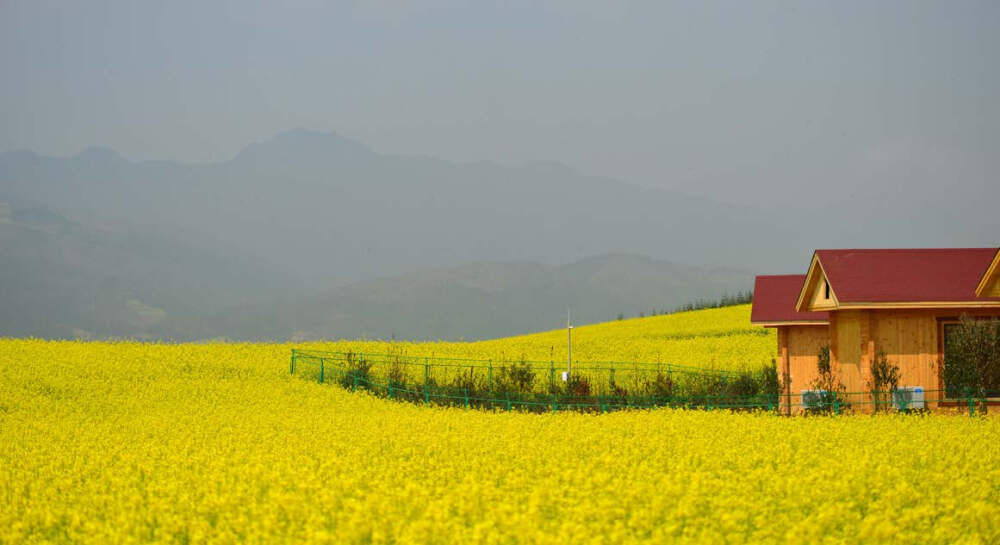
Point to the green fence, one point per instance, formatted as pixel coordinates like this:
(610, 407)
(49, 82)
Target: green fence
(595, 386)
(520, 375)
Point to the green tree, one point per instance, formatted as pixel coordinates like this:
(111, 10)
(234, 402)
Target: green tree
(831, 395)
(883, 381)
(971, 364)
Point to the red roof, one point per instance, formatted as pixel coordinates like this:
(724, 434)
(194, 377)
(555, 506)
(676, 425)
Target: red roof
(897, 275)
(774, 300)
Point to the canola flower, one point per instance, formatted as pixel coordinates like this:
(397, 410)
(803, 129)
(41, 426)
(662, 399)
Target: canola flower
(216, 443)
(715, 338)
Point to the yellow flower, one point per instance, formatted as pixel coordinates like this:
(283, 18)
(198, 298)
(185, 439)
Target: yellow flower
(120, 442)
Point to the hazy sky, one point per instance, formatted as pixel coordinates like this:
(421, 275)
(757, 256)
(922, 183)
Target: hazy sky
(758, 102)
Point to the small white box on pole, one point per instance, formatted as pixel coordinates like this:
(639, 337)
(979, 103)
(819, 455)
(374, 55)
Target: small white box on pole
(565, 376)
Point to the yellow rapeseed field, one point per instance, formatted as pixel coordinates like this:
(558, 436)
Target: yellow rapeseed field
(715, 338)
(216, 443)
(637, 349)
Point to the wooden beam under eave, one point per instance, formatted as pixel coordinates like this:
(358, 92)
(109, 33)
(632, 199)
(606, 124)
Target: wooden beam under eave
(793, 322)
(917, 305)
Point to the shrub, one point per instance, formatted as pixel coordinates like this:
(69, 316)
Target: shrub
(743, 385)
(468, 382)
(770, 383)
(578, 386)
(972, 359)
(516, 377)
(883, 381)
(704, 390)
(660, 385)
(832, 396)
(357, 372)
(396, 375)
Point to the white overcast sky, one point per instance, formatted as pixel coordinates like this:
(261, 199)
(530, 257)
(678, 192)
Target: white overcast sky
(758, 102)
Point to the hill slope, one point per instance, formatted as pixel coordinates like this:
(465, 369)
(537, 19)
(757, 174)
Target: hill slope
(63, 278)
(67, 278)
(487, 300)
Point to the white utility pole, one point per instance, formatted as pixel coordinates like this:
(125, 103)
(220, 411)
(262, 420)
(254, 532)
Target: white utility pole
(569, 345)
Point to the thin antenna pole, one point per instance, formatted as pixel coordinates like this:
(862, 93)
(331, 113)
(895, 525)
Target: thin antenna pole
(569, 343)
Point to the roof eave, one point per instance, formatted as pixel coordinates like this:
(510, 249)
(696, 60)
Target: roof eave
(861, 305)
(780, 323)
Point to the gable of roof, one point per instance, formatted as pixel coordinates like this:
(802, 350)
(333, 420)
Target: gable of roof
(915, 277)
(774, 298)
(989, 286)
(816, 293)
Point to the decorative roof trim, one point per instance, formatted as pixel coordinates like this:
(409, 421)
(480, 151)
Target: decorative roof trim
(919, 304)
(991, 271)
(791, 322)
(813, 265)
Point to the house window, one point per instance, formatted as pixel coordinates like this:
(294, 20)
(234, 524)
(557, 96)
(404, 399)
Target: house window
(826, 289)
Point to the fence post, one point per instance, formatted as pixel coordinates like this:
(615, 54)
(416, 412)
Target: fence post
(466, 397)
(354, 387)
(427, 371)
(291, 366)
(611, 377)
(552, 375)
(507, 395)
(490, 380)
(555, 403)
(322, 369)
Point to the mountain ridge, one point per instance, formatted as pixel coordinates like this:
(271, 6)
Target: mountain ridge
(335, 204)
(322, 227)
(489, 299)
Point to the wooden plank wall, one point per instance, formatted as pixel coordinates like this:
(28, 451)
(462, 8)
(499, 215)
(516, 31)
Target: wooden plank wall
(804, 343)
(846, 348)
(909, 340)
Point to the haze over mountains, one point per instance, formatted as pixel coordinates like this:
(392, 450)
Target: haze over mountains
(314, 234)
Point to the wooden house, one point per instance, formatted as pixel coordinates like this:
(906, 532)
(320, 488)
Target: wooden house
(902, 302)
(800, 334)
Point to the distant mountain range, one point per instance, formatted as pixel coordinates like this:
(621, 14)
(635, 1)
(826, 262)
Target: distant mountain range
(62, 278)
(314, 233)
(488, 299)
(330, 207)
